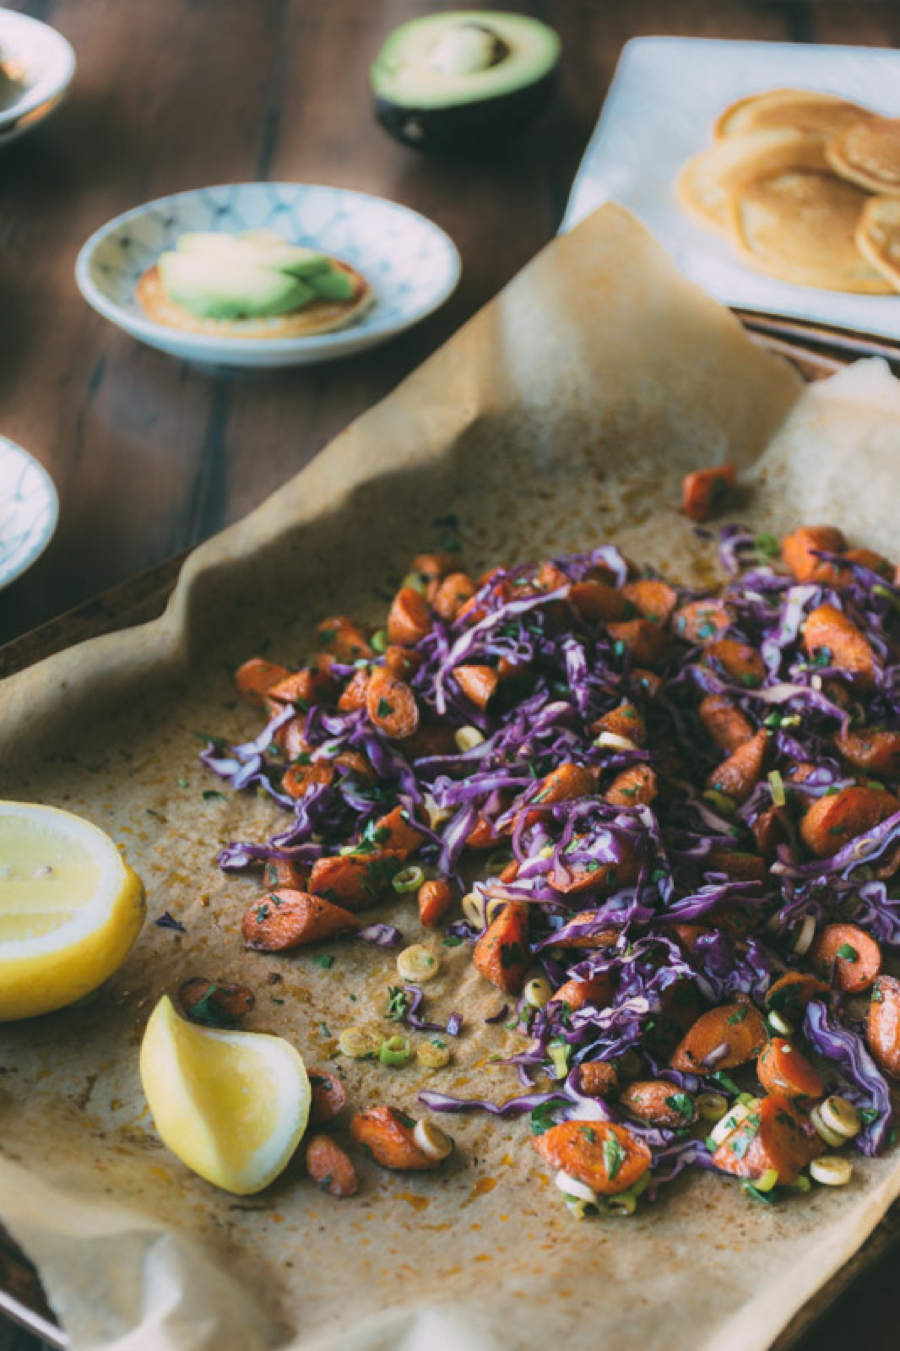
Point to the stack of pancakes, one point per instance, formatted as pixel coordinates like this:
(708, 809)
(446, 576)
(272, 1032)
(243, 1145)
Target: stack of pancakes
(806, 186)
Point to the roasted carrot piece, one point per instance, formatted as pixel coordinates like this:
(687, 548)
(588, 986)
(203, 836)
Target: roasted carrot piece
(773, 1136)
(634, 787)
(482, 835)
(330, 1166)
(355, 880)
(433, 567)
(510, 872)
(454, 592)
(343, 639)
(391, 705)
(477, 683)
(386, 1134)
(598, 1079)
(593, 600)
(648, 682)
(596, 990)
(799, 551)
(624, 721)
(738, 1028)
(737, 661)
(769, 831)
(328, 1096)
(501, 954)
(354, 762)
(609, 876)
(790, 994)
(430, 739)
(737, 776)
(834, 819)
(726, 724)
(738, 866)
(647, 643)
(705, 492)
(256, 677)
(284, 919)
(353, 695)
(219, 1002)
(875, 751)
(396, 832)
(306, 687)
(846, 956)
(401, 662)
(702, 621)
(282, 872)
(830, 636)
(660, 1102)
(605, 1157)
(782, 1069)
(653, 599)
(687, 936)
(434, 900)
(883, 1024)
(566, 783)
(409, 619)
(297, 778)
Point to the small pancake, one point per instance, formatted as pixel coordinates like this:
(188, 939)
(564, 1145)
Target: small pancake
(708, 182)
(800, 226)
(868, 153)
(320, 316)
(800, 109)
(878, 236)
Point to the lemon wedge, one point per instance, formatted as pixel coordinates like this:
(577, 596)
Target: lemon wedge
(70, 908)
(231, 1105)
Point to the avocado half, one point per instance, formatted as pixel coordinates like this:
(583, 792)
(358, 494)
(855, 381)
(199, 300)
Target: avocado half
(464, 80)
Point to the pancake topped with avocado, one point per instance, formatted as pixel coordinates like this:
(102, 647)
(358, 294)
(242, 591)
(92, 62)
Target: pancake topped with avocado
(252, 285)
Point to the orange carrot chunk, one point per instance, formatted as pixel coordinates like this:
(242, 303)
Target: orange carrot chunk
(391, 705)
(726, 724)
(737, 776)
(721, 1039)
(328, 1096)
(647, 642)
(847, 957)
(355, 880)
(477, 683)
(792, 992)
(883, 1024)
(660, 1102)
(653, 599)
(330, 1166)
(598, 1079)
(594, 600)
(876, 752)
(799, 551)
(634, 787)
(453, 593)
(386, 1135)
(702, 621)
(409, 619)
(284, 919)
(782, 1069)
(624, 721)
(343, 639)
(773, 1137)
(434, 900)
(605, 1157)
(596, 990)
(705, 492)
(830, 637)
(834, 819)
(501, 954)
(738, 662)
(256, 677)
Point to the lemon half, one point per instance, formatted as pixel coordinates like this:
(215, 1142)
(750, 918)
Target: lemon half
(70, 908)
(233, 1106)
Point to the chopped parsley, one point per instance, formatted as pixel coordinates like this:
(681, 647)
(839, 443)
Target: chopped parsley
(613, 1156)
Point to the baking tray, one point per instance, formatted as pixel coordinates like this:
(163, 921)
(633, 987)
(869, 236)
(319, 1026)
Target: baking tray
(22, 1299)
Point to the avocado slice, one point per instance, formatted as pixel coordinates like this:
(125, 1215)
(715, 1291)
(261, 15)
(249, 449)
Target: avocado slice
(218, 285)
(262, 247)
(464, 80)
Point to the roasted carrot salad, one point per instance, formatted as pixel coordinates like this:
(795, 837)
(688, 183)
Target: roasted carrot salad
(665, 821)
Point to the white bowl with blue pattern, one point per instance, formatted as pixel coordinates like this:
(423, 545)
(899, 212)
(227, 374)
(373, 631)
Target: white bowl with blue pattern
(36, 69)
(28, 510)
(412, 265)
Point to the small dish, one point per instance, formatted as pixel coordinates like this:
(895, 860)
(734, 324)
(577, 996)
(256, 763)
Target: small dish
(411, 263)
(29, 509)
(660, 110)
(36, 69)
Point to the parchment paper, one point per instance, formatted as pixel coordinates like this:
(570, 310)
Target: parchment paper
(563, 414)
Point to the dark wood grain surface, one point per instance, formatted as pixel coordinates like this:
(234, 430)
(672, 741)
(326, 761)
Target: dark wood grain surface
(151, 455)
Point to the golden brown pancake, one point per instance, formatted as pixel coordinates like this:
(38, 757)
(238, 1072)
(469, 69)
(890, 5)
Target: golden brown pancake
(878, 236)
(320, 316)
(800, 109)
(868, 153)
(800, 226)
(708, 182)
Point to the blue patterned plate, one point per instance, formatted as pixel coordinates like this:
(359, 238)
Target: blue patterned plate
(412, 265)
(36, 69)
(28, 510)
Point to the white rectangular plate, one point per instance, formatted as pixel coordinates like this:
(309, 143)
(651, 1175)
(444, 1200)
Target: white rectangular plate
(665, 96)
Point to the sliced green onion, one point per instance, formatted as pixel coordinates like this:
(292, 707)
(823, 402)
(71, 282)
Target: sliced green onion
(711, 1106)
(380, 641)
(723, 803)
(395, 1051)
(416, 581)
(408, 879)
(768, 1180)
(560, 1057)
(776, 785)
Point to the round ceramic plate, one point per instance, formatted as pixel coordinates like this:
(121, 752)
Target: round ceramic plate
(411, 264)
(36, 68)
(28, 510)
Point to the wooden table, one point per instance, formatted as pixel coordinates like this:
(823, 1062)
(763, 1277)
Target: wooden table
(150, 455)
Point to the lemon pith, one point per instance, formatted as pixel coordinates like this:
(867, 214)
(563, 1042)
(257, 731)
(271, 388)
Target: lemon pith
(70, 908)
(232, 1106)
